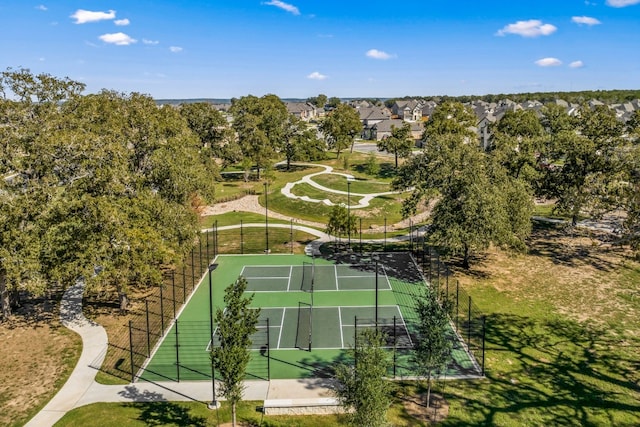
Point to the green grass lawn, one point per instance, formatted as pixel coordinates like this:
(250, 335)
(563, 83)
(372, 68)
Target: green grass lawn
(183, 414)
(361, 186)
(563, 334)
(381, 207)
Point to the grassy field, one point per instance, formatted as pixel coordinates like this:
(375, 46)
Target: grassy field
(362, 185)
(562, 339)
(37, 356)
(183, 414)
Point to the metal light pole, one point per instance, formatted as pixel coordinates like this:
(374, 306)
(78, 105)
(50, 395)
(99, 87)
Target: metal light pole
(266, 216)
(349, 213)
(214, 402)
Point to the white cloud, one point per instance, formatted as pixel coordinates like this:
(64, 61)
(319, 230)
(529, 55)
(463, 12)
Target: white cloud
(548, 62)
(41, 7)
(284, 6)
(378, 54)
(576, 64)
(122, 22)
(316, 76)
(586, 20)
(120, 39)
(151, 42)
(530, 28)
(83, 16)
(175, 49)
(622, 3)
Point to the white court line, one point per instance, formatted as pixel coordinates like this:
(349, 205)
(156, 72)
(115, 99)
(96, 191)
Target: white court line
(368, 276)
(405, 327)
(267, 278)
(281, 327)
(210, 345)
(341, 333)
(335, 269)
(289, 281)
(387, 278)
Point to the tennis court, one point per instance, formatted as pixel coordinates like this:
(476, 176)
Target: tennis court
(310, 310)
(309, 277)
(324, 328)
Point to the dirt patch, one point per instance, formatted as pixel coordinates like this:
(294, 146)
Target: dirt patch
(437, 412)
(36, 356)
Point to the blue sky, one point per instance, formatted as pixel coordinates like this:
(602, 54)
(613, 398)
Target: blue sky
(295, 48)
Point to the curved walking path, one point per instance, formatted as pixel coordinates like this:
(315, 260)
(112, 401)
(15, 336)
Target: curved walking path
(94, 347)
(365, 199)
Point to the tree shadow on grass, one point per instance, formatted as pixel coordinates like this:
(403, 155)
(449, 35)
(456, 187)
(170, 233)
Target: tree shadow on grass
(155, 410)
(552, 371)
(569, 246)
(167, 413)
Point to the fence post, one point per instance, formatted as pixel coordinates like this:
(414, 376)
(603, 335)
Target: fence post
(355, 341)
(446, 276)
(184, 288)
(457, 305)
(410, 235)
(484, 324)
(193, 271)
(146, 306)
(360, 235)
(184, 274)
(177, 353)
(133, 372)
(161, 310)
(241, 239)
(438, 270)
(291, 237)
(200, 251)
(268, 353)
(384, 245)
(469, 326)
(395, 344)
(215, 241)
(208, 257)
(173, 289)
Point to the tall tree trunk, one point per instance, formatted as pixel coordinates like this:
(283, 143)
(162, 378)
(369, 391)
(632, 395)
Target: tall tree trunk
(428, 389)
(5, 301)
(396, 156)
(123, 300)
(465, 261)
(233, 414)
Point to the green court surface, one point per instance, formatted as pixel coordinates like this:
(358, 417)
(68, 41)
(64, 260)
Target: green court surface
(310, 311)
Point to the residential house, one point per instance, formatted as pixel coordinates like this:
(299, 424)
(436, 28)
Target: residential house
(382, 129)
(302, 110)
(483, 128)
(409, 111)
(370, 116)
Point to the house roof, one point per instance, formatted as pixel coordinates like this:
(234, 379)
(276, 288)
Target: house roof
(298, 107)
(385, 126)
(374, 113)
